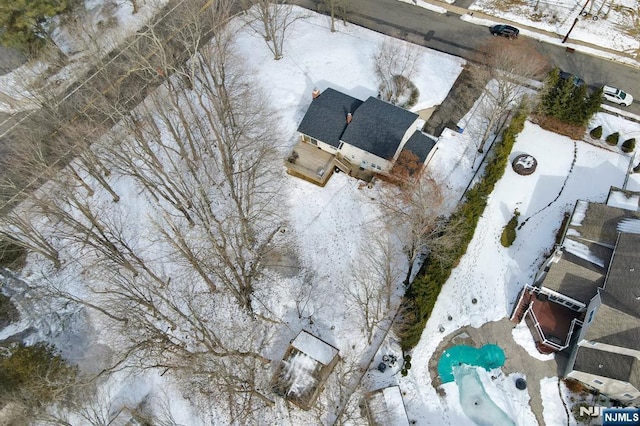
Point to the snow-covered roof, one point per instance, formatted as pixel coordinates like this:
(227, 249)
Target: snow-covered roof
(624, 200)
(315, 348)
(386, 407)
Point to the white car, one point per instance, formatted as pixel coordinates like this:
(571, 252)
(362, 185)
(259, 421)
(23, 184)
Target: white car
(617, 96)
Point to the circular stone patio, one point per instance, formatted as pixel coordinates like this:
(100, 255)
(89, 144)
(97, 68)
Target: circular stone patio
(524, 164)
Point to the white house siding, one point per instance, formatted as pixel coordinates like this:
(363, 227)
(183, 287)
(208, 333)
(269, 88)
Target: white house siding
(613, 388)
(356, 156)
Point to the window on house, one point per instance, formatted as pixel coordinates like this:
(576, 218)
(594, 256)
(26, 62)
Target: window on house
(628, 395)
(340, 146)
(591, 316)
(373, 166)
(597, 382)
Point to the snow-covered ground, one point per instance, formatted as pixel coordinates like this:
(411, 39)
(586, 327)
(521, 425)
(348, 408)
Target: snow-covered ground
(493, 274)
(602, 23)
(320, 219)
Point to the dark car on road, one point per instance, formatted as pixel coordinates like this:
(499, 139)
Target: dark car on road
(504, 31)
(577, 81)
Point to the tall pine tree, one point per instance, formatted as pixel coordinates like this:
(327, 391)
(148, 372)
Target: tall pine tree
(25, 23)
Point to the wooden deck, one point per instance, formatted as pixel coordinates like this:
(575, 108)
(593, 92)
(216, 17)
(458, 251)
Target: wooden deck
(310, 163)
(553, 319)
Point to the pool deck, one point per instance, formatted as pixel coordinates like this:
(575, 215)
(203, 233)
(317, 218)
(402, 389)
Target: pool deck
(518, 359)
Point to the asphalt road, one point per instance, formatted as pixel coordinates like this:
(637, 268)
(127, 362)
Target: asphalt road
(447, 33)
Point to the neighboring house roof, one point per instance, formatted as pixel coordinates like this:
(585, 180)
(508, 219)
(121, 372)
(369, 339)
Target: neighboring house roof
(326, 118)
(420, 145)
(613, 326)
(596, 223)
(613, 365)
(378, 127)
(588, 252)
(624, 199)
(574, 277)
(623, 279)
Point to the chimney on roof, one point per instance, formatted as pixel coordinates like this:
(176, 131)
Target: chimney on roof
(349, 118)
(315, 93)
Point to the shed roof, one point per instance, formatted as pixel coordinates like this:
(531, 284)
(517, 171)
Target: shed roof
(386, 407)
(314, 347)
(378, 127)
(326, 118)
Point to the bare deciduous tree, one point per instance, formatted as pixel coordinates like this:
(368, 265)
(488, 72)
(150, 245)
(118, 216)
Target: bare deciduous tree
(508, 66)
(414, 211)
(337, 10)
(375, 278)
(271, 19)
(395, 63)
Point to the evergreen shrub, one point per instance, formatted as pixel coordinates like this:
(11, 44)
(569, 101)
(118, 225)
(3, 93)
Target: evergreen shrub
(629, 145)
(612, 139)
(509, 231)
(596, 133)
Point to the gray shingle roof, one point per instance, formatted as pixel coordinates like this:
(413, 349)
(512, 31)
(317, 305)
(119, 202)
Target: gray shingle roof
(613, 326)
(326, 118)
(378, 127)
(419, 144)
(600, 224)
(607, 364)
(623, 279)
(574, 277)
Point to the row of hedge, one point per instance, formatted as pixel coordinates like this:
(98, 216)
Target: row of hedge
(613, 139)
(421, 296)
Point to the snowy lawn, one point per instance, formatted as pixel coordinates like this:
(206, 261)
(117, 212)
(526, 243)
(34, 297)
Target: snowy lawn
(328, 226)
(493, 274)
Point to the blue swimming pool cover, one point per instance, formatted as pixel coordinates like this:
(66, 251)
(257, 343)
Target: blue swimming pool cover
(487, 357)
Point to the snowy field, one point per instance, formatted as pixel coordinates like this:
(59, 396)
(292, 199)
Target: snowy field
(328, 227)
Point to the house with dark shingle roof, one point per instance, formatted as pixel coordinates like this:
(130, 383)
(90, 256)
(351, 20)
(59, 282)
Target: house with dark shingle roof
(607, 354)
(369, 135)
(594, 273)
